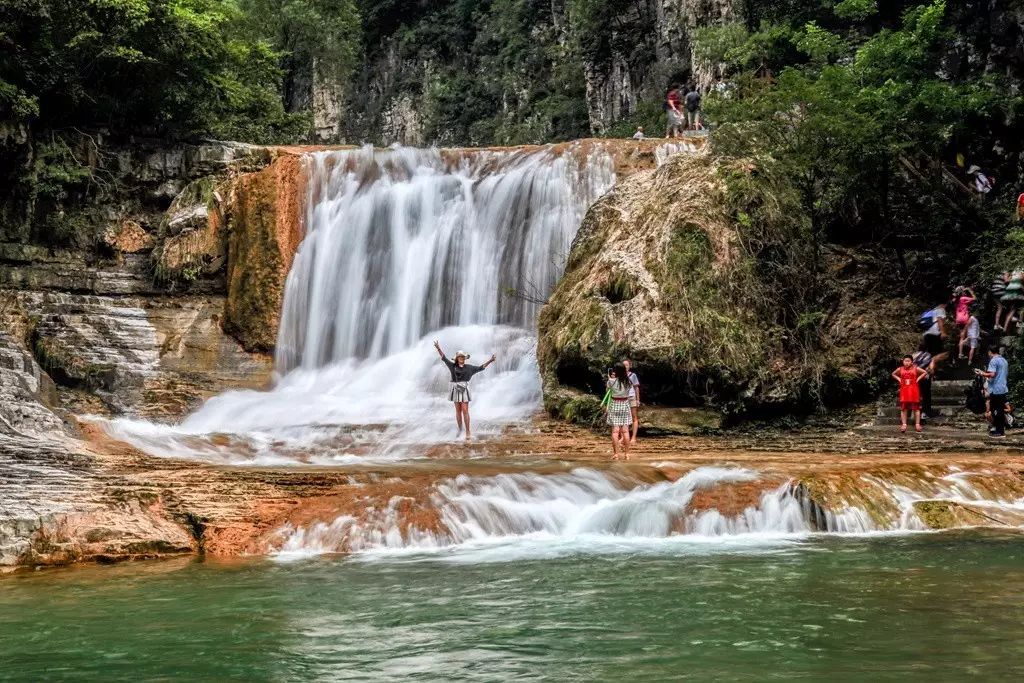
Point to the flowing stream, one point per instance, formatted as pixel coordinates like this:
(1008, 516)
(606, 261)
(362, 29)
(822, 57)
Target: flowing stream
(403, 246)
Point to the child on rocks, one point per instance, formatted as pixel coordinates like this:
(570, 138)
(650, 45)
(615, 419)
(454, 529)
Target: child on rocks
(908, 375)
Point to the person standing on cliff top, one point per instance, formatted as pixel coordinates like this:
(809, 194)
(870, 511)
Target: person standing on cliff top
(693, 108)
(458, 393)
(634, 400)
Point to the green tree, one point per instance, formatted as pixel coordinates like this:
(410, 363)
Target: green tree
(864, 125)
(177, 67)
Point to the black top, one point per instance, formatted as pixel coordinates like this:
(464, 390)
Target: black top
(693, 101)
(461, 374)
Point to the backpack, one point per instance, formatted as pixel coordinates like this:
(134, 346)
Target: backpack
(976, 396)
(926, 320)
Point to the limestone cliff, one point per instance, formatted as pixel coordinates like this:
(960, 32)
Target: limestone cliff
(520, 71)
(658, 272)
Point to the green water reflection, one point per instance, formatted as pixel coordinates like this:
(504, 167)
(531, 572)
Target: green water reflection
(932, 607)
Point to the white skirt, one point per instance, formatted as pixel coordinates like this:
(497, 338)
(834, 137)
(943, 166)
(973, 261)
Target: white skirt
(459, 392)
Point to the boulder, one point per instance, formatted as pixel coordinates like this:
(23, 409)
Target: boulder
(660, 272)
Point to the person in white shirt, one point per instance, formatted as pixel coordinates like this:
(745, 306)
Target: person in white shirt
(934, 337)
(639, 134)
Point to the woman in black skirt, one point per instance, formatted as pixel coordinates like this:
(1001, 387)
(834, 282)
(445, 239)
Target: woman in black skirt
(458, 392)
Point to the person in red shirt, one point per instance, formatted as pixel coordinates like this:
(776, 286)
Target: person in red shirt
(908, 375)
(1020, 206)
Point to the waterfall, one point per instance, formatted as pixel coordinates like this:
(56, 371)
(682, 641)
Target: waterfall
(402, 246)
(404, 242)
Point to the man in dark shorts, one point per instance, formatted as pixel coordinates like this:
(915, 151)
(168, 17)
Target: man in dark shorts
(693, 108)
(923, 360)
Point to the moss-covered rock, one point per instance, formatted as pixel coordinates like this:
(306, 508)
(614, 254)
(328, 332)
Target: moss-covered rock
(264, 232)
(193, 242)
(663, 271)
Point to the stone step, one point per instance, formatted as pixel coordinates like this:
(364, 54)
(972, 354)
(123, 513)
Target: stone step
(890, 411)
(951, 387)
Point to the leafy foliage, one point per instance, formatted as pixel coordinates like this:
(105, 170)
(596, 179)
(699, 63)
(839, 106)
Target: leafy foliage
(169, 67)
(863, 127)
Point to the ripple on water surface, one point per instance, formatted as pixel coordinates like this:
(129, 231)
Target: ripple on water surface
(932, 607)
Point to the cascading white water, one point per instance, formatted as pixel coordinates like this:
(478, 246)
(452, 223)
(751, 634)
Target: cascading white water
(519, 516)
(407, 241)
(531, 515)
(403, 246)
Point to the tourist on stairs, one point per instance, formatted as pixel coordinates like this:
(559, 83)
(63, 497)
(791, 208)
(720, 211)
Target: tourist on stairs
(458, 394)
(620, 416)
(935, 333)
(963, 297)
(971, 335)
(908, 375)
(634, 401)
(998, 288)
(997, 374)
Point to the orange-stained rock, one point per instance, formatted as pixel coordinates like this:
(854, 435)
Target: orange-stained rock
(265, 228)
(128, 237)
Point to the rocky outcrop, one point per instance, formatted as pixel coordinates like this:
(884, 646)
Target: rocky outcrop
(657, 273)
(265, 228)
(193, 238)
(155, 358)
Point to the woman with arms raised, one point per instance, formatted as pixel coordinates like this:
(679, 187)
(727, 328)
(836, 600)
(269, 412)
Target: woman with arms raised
(461, 373)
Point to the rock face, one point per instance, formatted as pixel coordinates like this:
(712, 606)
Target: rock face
(652, 47)
(614, 57)
(265, 230)
(657, 274)
(152, 358)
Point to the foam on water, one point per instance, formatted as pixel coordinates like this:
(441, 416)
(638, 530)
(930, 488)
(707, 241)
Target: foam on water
(519, 516)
